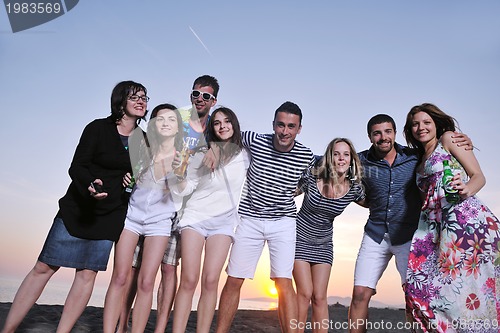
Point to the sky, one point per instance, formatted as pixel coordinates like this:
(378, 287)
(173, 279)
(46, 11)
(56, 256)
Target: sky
(341, 61)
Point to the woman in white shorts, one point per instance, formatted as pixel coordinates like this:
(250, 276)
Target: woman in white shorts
(150, 213)
(209, 218)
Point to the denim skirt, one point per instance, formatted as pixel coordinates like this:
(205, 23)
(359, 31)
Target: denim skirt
(63, 250)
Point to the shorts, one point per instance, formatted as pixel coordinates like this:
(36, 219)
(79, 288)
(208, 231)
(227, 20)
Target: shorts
(373, 259)
(172, 252)
(160, 228)
(251, 235)
(220, 225)
(64, 250)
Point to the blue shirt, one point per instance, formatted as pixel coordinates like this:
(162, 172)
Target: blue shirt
(392, 195)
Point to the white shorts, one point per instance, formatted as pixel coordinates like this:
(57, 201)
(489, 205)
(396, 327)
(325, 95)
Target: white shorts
(373, 259)
(251, 235)
(160, 228)
(220, 225)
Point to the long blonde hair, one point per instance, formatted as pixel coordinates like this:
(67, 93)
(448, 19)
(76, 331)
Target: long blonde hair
(325, 168)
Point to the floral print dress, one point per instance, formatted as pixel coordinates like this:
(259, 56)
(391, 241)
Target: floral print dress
(453, 277)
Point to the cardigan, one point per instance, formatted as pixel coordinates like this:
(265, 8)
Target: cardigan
(100, 154)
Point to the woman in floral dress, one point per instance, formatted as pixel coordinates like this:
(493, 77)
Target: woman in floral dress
(453, 279)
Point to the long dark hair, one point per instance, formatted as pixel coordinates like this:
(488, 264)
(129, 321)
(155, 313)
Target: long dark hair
(119, 97)
(151, 142)
(442, 121)
(235, 145)
(152, 130)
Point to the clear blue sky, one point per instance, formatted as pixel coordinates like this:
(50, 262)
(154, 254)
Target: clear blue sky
(340, 61)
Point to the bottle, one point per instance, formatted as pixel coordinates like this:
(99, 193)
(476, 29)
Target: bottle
(131, 185)
(450, 193)
(180, 171)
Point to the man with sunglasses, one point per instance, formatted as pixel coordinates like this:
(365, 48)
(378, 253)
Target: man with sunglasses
(203, 97)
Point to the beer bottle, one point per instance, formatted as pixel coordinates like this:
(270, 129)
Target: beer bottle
(450, 193)
(131, 185)
(180, 171)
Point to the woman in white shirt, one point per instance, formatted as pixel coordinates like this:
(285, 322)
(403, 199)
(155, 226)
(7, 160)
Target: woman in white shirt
(209, 218)
(151, 212)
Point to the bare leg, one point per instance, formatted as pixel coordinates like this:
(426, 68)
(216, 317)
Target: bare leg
(358, 311)
(130, 291)
(77, 299)
(320, 276)
(287, 303)
(115, 296)
(228, 304)
(154, 248)
(191, 249)
(216, 250)
(166, 295)
(303, 281)
(30, 290)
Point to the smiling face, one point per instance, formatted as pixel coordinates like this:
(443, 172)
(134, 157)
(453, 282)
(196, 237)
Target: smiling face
(341, 158)
(382, 136)
(423, 127)
(166, 123)
(138, 108)
(286, 127)
(223, 128)
(201, 105)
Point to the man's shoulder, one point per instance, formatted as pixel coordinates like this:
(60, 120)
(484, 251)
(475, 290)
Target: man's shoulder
(406, 151)
(301, 147)
(251, 135)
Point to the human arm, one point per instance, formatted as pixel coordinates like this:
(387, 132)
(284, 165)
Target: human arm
(211, 160)
(195, 170)
(80, 169)
(469, 162)
(462, 140)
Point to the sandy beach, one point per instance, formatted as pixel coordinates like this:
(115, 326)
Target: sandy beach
(44, 318)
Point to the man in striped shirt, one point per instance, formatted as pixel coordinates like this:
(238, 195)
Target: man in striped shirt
(267, 210)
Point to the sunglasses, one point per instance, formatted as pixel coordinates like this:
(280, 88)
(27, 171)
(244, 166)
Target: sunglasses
(206, 96)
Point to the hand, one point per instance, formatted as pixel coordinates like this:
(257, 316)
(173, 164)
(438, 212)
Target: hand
(127, 179)
(461, 139)
(93, 192)
(211, 159)
(177, 160)
(461, 187)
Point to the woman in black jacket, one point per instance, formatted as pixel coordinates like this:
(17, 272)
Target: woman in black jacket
(91, 213)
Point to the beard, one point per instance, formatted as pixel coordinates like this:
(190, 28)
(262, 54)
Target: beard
(385, 149)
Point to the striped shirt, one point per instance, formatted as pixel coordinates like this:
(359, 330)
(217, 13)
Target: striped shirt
(315, 220)
(272, 178)
(392, 195)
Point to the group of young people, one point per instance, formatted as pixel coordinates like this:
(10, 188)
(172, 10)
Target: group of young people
(238, 194)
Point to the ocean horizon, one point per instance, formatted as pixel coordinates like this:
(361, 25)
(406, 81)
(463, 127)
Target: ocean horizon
(55, 294)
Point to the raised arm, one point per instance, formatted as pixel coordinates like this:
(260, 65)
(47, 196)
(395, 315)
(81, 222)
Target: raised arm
(469, 162)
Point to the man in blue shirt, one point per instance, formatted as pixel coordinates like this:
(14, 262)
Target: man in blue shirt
(394, 202)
